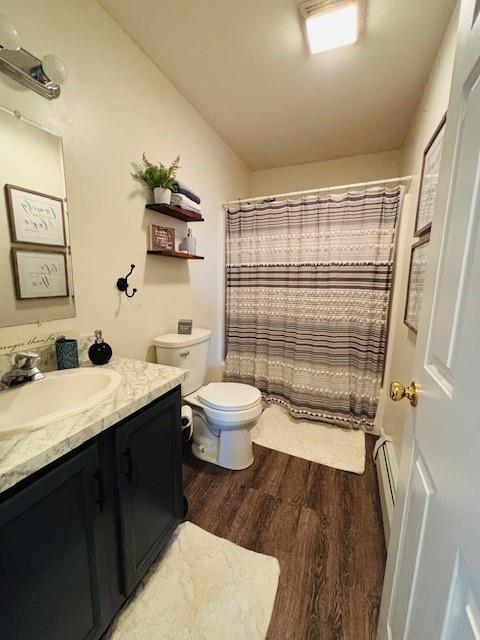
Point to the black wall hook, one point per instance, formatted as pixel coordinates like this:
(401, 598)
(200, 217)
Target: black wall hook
(122, 283)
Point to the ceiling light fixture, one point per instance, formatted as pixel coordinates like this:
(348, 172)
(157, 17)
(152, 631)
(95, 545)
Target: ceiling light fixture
(330, 24)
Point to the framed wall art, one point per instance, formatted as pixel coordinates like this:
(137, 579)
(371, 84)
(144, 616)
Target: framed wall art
(34, 217)
(39, 274)
(416, 282)
(161, 238)
(429, 180)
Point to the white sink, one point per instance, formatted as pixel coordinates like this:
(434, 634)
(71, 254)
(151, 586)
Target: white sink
(58, 395)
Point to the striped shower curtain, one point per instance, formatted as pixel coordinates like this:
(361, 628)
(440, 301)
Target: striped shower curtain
(308, 285)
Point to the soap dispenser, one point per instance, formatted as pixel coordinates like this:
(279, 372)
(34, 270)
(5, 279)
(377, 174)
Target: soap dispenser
(100, 352)
(189, 244)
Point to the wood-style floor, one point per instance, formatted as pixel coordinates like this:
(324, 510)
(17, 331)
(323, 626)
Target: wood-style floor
(323, 525)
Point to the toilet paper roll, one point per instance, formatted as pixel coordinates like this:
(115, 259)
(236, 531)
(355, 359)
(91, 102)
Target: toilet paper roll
(187, 422)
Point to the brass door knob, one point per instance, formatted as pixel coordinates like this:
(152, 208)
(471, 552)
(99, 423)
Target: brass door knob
(398, 391)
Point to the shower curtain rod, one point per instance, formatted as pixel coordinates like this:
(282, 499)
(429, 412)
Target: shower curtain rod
(403, 179)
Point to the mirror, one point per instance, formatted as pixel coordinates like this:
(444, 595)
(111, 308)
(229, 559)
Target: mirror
(36, 276)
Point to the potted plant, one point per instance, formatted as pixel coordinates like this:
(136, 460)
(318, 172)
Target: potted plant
(157, 177)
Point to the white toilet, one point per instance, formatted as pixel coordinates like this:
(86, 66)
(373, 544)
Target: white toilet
(223, 412)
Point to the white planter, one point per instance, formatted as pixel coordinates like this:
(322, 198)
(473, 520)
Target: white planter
(162, 196)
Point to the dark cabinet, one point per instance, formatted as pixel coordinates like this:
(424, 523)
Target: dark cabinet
(148, 450)
(76, 538)
(51, 555)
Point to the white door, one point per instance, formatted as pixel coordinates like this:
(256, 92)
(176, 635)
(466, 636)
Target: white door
(432, 581)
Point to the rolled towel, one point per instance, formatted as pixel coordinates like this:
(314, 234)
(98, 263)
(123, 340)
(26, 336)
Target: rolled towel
(183, 199)
(180, 200)
(181, 187)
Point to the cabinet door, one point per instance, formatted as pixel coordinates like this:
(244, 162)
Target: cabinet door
(149, 469)
(50, 555)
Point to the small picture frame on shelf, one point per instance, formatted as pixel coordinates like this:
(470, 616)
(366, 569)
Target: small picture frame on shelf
(429, 180)
(416, 282)
(39, 274)
(34, 217)
(161, 238)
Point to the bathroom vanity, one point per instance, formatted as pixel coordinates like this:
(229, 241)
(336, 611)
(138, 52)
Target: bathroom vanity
(88, 503)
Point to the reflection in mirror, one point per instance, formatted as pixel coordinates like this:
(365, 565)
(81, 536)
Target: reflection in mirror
(36, 277)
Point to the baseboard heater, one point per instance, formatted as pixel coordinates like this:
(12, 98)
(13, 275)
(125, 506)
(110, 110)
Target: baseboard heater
(387, 473)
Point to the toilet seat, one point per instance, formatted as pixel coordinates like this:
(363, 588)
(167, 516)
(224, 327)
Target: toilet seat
(229, 396)
(225, 417)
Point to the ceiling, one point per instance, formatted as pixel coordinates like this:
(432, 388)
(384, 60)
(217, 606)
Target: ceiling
(244, 66)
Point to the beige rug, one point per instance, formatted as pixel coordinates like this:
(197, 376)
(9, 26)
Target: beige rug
(339, 448)
(202, 588)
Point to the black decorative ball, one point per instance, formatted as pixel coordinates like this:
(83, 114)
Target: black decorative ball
(100, 353)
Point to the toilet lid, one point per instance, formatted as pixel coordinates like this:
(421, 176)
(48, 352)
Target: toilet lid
(229, 396)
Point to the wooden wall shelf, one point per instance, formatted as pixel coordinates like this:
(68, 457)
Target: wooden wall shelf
(176, 212)
(175, 254)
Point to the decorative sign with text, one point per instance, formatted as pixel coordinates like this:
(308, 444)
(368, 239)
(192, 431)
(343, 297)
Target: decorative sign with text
(185, 326)
(432, 158)
(161, 238)
(40, 274)
(21, 342)
(35, 218)
(416, 283)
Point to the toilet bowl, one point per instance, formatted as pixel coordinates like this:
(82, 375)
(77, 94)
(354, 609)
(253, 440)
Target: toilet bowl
(223, 412)
(223, 415)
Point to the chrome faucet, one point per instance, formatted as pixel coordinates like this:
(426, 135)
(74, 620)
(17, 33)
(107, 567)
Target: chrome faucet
(24, 369)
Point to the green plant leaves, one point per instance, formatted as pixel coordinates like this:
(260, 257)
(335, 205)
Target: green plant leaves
(152, 175)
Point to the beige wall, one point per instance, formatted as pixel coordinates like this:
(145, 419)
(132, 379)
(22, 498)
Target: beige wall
(429, 114)
(115, 105)
(372, 166)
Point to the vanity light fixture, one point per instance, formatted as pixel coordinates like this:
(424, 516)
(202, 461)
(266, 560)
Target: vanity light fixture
(43, 76)
(330, 24)
(9, 36)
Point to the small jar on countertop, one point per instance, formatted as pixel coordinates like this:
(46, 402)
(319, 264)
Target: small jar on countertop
(100, 352)
(67, 353)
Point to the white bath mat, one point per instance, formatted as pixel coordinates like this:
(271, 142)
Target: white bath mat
(202, 588)
(340, 448)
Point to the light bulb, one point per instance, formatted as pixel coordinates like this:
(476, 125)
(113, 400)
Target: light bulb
(9, 36)
(54, 69)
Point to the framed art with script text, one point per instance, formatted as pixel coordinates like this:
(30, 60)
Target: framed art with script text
(34, 217)
(39, 274)
(416, 282)
(161, 238)
(429, 180)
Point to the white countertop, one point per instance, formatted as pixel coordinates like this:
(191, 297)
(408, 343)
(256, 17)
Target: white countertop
(25, 452)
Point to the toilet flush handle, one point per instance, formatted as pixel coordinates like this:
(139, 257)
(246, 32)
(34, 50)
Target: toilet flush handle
(184, 354)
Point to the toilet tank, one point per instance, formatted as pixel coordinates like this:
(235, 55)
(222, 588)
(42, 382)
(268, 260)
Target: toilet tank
(187, 352)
